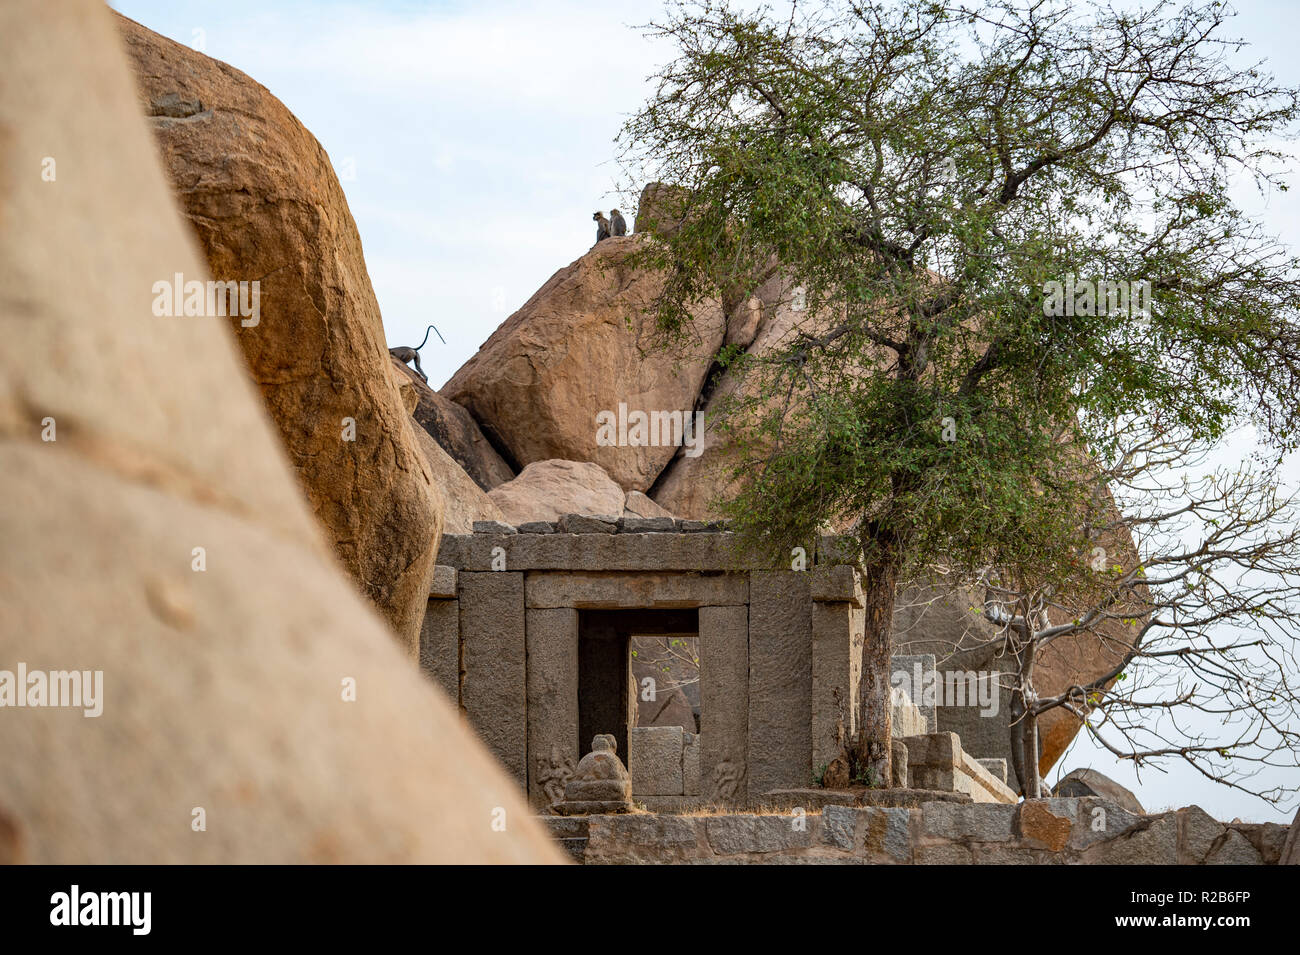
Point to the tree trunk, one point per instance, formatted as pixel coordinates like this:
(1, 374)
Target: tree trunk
(875, 728)
(1024, 718)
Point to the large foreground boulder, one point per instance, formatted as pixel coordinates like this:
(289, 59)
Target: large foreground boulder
(253, 708)
(263, 199)
(586, 345)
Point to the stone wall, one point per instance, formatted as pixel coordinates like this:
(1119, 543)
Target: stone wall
(780, 652)
(1045, 831)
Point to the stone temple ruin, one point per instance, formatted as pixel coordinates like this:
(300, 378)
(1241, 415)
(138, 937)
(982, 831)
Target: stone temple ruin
(529, 631)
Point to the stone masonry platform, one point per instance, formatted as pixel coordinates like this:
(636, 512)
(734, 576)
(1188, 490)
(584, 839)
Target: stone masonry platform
(1087, 830)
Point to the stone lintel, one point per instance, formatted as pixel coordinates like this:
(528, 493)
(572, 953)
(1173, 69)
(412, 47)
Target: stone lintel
(651, 591)
(596, 552)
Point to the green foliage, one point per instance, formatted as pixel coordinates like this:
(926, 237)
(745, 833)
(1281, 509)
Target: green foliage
(923, 172)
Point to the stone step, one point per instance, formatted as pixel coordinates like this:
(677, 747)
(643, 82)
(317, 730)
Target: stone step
(576, 847)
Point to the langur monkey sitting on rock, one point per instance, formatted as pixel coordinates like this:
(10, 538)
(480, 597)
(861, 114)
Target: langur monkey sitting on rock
(602, 226)
(618, 225)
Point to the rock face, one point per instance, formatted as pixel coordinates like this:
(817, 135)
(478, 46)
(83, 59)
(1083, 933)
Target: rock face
(1089, 782)
(456, 431)
(584, 345)
(689, 486)
(261, 196)
(226, 734)
(546, 490)
(637, 504)
(1291, 848)
(466, 502)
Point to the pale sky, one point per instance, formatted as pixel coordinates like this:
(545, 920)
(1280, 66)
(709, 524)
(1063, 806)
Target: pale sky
(474, 140)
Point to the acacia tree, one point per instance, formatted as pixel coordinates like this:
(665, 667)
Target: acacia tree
(1213, 590)
(920, 172)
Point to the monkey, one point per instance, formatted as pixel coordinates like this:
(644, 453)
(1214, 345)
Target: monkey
(617, 224)
(405, 354)
(602, 226)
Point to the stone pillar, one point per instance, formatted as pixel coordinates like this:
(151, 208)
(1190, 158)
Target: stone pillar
(780, 663)
(553, 745)
(836, 666)
(440, 633)
(493, 693)
(440, 646)
(724, 704)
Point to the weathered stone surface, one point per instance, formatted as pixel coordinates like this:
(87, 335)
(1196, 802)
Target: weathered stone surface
(637, 504)
(1198, 833)
(493, 527)
(641, 838)
(990, 854)
(724, 703)
(883, 834)
(646, 525)
(997, 768)
(746, 832)
(635, 591)
(905, 718)
(780, 661)
(839, 827)
(222, 688)
(465, 501)
(1041, 828)
(1089, 782)
(1235, 849)
(456, 432)
(887, 834)
(1291, 848)
(443, 584)
(937, 761)
(836, 668)
(552, 642)
(655, 760)
(602, 552)
(1155, 843)
(493, 648)
(1096, 820)
(908, 672)
(1268, 838)
(835, 583)
(944, 855)
(580, 347)
(536, 527)
(691, 764)
(898, 765)
(586, 524)
(981, 784)
(600, 783)
(702, 527)
(547, 490)
(263, 200)
(972, 822)
(690, 487)
(440, 647)
(661, 208)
